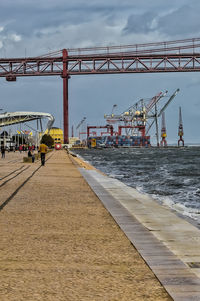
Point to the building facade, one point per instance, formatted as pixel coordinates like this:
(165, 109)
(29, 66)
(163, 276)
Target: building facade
(56, 134)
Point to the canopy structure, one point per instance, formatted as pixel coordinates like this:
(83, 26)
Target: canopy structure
(10, 118)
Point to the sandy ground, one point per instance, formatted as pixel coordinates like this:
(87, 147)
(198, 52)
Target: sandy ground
(58, 242)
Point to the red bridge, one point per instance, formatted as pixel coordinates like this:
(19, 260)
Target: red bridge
(172, 56)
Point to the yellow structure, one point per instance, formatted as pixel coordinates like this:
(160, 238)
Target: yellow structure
(56, 134)
(93, 142)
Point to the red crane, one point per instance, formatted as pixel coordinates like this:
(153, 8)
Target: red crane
(171, 56)
(108, 127)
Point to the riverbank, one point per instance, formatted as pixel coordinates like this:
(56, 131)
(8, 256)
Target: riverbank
(169, 243)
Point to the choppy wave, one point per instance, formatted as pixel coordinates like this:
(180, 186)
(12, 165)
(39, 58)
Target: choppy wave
(170, 175)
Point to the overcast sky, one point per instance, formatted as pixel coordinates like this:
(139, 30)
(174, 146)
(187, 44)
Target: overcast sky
(36, 27)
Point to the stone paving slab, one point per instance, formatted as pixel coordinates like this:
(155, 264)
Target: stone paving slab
(141, 220)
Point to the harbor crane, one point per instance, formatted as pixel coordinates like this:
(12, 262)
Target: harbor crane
(180, 128)
(156, 115)
(135, 120)
(163, 131)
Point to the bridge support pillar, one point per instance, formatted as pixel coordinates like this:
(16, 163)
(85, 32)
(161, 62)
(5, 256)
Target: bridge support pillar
(65, 77)
(65, 110)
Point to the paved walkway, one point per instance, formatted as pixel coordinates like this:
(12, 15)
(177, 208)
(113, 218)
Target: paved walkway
(58, 242)
(169, 244)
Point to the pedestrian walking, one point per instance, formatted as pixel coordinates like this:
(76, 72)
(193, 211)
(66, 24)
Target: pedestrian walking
(43, 150)
(3, 150)
(33, 156)
(29, 153)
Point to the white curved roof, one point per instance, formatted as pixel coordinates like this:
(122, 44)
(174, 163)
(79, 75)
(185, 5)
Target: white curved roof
(9, 118)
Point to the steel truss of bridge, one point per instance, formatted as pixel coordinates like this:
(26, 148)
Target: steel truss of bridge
(174, 56)
(100, 65)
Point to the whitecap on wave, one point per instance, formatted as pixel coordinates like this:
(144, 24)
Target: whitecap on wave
(181, 208)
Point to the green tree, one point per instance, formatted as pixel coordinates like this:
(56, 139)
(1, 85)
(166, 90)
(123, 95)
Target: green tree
(48, 140)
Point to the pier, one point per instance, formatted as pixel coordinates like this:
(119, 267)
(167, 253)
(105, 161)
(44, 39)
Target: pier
(68, 232)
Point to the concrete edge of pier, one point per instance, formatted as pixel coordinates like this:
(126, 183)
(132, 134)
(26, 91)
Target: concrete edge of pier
(155, 231)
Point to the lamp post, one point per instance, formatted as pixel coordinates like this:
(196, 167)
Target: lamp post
(1, 110)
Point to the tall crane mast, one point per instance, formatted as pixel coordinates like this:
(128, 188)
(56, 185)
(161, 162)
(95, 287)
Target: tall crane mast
(168, 102)
(80, 123)
(163, 131)
(180, 128)
(113, 108)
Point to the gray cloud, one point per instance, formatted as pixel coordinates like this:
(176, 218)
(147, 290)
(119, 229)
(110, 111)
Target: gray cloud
(140, 23)
(27, 17)
(184, 20)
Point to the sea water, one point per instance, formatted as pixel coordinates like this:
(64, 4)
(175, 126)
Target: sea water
(170, 175)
